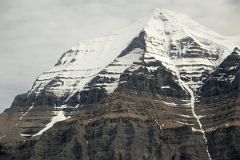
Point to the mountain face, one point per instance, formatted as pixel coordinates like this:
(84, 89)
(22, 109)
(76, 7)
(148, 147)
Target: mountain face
(165, 88)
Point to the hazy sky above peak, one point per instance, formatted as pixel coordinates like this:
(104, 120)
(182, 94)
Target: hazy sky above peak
(34, 34)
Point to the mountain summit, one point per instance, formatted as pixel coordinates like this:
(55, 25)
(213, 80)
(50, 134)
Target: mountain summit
(174, 39)
(164, 87)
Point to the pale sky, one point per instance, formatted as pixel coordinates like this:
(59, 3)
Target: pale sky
(34, 33)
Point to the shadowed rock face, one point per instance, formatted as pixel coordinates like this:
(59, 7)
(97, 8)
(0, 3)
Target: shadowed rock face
(121, 127)
(87, 97)
(151, 83)
(224, 143)
(224, 79)
(219, 106)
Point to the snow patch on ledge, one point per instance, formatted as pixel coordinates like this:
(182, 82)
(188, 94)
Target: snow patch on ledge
(185, 116)
(59, 117)
(25, 135)
(183, 123)
(1, 137)
(163, 87)
(169, 103)
(196, 130)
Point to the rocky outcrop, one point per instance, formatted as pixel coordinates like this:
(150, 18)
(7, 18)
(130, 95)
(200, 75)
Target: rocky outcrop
(120, 127)
(224, 79)
(219, 107)
(224, 143)
(152, 84)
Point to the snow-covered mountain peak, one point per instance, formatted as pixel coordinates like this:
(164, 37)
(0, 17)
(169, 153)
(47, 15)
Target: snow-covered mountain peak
(180, 25)
(181, 44)
(164, 70)
(184, 46)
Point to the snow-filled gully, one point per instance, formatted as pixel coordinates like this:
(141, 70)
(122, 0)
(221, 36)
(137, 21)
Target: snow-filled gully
(190, 91)
(57, 118)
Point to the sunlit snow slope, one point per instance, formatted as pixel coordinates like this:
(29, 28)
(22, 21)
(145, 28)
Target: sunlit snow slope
(182, 45)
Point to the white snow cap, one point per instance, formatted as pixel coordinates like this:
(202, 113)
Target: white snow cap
(182, 23)
(82, 63)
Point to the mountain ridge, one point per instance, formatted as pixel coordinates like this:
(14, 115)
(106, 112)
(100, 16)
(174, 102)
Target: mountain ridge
(81, 46)
(164, 78)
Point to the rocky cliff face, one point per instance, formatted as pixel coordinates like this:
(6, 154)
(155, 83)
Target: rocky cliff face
(165, 90)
